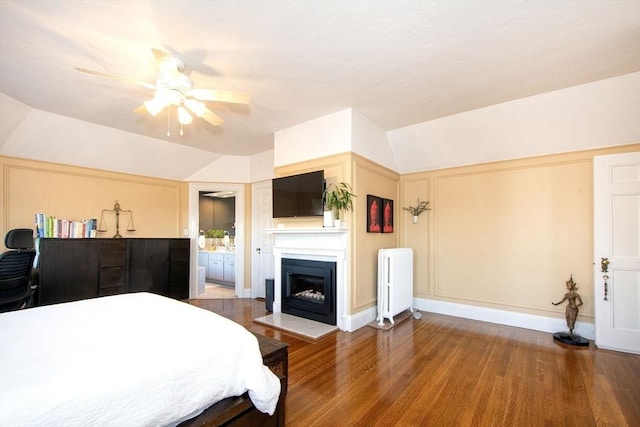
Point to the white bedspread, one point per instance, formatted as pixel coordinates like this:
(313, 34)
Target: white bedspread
(126, 360)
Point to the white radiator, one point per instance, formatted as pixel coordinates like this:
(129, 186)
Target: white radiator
(395, 282)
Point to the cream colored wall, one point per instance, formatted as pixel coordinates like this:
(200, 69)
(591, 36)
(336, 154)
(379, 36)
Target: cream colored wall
(159, 206)
(371, 178)
(506, 235)
(503, 235)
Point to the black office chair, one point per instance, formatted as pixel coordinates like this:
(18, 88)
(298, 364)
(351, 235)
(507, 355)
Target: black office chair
(16, 267)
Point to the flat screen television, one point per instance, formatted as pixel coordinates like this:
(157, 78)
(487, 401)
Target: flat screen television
(298, 195)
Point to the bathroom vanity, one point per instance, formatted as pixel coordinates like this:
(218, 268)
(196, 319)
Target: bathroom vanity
(219, 266)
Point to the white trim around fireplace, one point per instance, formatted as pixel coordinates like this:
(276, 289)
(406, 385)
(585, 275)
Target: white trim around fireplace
(320, 244)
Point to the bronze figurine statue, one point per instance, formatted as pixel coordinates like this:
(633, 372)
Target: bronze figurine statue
(571, 313)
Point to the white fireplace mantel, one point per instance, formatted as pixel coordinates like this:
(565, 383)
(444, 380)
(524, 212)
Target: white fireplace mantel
(320, 244)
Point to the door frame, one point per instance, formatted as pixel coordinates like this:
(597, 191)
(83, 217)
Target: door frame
(194, 229)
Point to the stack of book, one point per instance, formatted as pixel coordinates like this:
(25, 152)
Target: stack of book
(62, 228)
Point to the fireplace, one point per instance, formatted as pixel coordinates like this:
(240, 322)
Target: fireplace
(328, 244)
(308, 289)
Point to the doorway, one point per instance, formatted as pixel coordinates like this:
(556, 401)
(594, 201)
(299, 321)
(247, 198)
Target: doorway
(216, 256)
(194, 230)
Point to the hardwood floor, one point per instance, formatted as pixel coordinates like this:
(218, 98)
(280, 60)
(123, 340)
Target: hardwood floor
(447, 371)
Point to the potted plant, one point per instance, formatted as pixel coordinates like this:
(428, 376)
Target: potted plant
(338, 198)
(417, 210)
(214, 237)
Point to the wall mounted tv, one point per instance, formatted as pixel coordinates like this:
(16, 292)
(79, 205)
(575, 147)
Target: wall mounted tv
(298, 195)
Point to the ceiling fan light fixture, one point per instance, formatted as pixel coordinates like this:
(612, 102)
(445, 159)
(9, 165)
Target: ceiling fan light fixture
(175, 88)
(183, 116)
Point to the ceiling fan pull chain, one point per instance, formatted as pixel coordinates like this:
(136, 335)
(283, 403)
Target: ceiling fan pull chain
(168, 124)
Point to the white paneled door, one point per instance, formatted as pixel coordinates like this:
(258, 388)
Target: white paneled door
(616, 217)
(262, 257)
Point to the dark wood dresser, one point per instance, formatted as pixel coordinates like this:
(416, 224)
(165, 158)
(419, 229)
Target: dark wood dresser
(76, 269)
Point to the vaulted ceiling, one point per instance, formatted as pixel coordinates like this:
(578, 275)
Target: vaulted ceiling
(396, 62)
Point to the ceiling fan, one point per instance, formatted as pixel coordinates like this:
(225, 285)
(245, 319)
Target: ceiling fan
(174, 87)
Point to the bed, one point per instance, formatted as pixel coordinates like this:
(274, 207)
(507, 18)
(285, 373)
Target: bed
(133, 359)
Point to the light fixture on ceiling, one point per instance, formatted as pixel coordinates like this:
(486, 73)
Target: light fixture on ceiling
(174, 89)
(220, 194)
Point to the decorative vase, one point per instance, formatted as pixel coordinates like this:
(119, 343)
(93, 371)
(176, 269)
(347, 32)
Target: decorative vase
(338, 223)
(415, 219)
(327, 219)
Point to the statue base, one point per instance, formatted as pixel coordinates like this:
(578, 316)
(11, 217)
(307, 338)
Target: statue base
(566, 338)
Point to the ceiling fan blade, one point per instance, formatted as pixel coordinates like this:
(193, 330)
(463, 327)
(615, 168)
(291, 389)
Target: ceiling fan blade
(112, 76)
(220, 96)
(160, 55)
(212, 118)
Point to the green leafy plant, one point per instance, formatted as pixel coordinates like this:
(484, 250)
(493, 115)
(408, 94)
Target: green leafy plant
(417, 210)
(339, 198)
(215, 234)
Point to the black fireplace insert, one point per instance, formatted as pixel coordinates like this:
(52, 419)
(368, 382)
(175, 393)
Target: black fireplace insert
(309, 289)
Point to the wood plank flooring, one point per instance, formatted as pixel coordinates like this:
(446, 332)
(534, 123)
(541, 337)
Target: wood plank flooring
(447, 371)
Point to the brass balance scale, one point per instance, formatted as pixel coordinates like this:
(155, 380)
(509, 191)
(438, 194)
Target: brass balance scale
(117, 211)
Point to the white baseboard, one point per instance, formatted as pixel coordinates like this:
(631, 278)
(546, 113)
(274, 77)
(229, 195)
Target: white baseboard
(491, 315)
(503, 317)
(360, 319)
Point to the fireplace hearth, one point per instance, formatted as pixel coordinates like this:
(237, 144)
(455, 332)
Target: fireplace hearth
(309, 289)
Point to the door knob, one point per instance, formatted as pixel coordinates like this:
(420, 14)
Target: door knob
(258, 250)
(604, 265)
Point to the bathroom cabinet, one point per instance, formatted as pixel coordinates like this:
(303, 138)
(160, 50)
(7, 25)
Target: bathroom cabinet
(229, 270)
(216, 267)
(219, 267)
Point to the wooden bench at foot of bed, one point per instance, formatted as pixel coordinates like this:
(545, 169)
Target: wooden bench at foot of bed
(238, 411)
